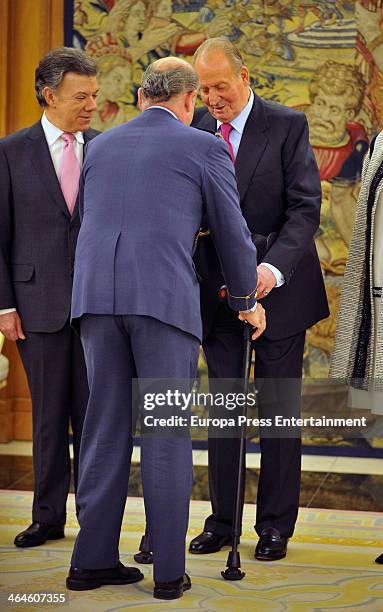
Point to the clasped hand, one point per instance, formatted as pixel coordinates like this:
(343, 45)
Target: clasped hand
(266, 281)
(10, 326)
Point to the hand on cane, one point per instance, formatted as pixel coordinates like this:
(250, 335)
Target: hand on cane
(256, 319)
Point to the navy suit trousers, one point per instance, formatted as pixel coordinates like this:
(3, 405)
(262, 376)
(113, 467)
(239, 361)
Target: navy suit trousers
(118, 349)
(276, 362)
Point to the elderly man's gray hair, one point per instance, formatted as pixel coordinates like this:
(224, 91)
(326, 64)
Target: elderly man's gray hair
(220, 43)
(162, 85)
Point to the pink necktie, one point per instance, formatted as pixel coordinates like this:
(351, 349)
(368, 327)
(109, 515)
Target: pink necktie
(225, 131)
(70, 171)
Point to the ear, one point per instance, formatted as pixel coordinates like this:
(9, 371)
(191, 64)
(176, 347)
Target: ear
(190, 99)
(141, 103)
(49, 96)
(245, 75)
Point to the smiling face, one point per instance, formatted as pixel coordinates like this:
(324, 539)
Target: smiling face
(71, 106)
(224, 91)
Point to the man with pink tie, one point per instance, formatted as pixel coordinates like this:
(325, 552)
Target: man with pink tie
(39, 175)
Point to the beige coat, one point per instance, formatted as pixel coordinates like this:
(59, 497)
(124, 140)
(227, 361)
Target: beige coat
(350, 311)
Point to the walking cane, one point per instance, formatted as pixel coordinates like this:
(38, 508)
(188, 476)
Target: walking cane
(233, 564)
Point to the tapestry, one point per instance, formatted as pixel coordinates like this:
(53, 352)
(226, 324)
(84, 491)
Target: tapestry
(324, 58)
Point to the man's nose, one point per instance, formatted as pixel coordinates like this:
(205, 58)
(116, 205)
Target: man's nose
(213, 98)
(91, 104)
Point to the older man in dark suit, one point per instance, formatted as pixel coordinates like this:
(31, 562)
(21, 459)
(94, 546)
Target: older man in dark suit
(280, 195)
(39, 175)
(147, 185)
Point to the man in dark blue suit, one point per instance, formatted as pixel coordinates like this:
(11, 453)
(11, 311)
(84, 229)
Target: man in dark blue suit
(39, 224)
(280, 198)
(146, 186)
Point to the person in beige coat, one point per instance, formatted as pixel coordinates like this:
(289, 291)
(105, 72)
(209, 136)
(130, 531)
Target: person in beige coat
(357, 358)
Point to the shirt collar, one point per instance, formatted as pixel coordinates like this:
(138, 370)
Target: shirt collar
(163, 108)
(239, 122)
(53, 133)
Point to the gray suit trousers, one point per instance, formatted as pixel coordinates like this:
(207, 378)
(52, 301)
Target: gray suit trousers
(118, 349)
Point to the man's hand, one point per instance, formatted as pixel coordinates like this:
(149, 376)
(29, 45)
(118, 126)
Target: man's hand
(10, 326)
(266, 281)
(256, 319)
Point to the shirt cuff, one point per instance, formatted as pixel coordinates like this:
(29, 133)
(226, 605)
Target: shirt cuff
(251, 309)
(242, 302)
(278, 275)
(7, 310)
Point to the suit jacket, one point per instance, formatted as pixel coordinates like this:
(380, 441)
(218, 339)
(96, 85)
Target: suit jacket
(146, 186)
(280, 192)
(37, 234)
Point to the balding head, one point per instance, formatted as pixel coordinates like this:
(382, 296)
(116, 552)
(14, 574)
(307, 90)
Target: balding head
(169, 63)
(172, 83)
(166, 79)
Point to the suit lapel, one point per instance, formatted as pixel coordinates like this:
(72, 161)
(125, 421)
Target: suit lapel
(253, 144)
(42, 161)
(207, 122)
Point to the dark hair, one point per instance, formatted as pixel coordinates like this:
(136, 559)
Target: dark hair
(56, 63)
(162, 85)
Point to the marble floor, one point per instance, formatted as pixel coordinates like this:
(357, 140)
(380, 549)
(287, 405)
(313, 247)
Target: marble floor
(333, 482)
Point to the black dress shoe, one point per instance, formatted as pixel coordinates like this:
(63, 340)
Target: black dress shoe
(172, 590)
(85, 580)
(379, 559)
(208, 542)
(271, 545)
(39, 533)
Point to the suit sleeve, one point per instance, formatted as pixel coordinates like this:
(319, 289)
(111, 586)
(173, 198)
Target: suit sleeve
(7, 298)
(81, 197)
(82, 182)
(302, 199)
(231, 236)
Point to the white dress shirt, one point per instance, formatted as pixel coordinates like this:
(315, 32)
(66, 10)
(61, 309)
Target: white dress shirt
(238, 125)
(56, 148)
(56, 143)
